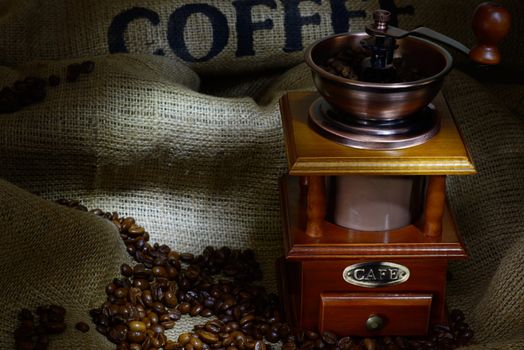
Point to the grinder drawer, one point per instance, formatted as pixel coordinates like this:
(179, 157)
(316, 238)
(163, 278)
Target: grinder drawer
(371, 314)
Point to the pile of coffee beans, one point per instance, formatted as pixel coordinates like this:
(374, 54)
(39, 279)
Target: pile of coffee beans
(32, 90)
(34, 332)
(150, 297)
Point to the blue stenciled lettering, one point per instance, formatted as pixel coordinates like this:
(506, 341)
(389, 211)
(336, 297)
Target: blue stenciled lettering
(293, 23)
(341, 16)
(118, 27)
(177, 23)
(245, 25)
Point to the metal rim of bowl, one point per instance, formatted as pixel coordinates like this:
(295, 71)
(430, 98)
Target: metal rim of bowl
(415, 83)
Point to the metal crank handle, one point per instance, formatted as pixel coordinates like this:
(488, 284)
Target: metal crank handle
(491, 24)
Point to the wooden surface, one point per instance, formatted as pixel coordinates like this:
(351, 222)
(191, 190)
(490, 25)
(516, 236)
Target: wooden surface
(311, 154)
(402, 313)
(338, 242)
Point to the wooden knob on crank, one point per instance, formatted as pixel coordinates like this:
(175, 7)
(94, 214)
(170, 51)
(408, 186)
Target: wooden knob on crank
(491, 23)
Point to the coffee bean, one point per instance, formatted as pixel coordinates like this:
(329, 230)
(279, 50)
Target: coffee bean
(311, 335)
(54, 80)
(246, 319)
(329, 338)
(172, 272)
(158, 328)
(118, 334)
(127, 223)
(207, 337)
(206, 313)
(168, 324)
(126, 270)
(73, 72)
(110, 288)
(136, 336)
(184, 338)
(121, 293)
(456, 316)
(184, 308)
(174, 315)
(370, 344)
(137, 326)
(196, 309)
(87, 66)
(234, 326)
(141, 284)
(135, 346)
(135, 230)
(307, 345)
(153, 317)
(171, 345)
(82, 327)
(214, 326)
(36, 95)
(158, 307)
(159, 271)
(466, 335)
(273, 336)
(260, 345)
(196, 343)
(9, 101)
(101, 329)
(345, 343)
(170, 299)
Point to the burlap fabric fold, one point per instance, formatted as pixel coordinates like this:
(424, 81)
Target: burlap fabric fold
(134, 136)
(489, 208)
(54, 255)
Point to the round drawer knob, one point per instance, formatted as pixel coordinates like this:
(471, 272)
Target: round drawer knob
(374, 323)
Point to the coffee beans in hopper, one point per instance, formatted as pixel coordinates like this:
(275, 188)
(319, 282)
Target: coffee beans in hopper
(350, 64)
(151, 296)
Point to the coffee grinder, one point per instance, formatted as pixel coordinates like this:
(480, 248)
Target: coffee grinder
(367, 231)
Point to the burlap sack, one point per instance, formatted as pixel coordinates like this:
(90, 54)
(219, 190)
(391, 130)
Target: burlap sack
(136, 136)
(54, 255)
(489, 208)
(216, 36)
(211, 36)
(512, 95)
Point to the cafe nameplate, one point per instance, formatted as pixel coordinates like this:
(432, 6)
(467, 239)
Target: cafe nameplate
(375, 274)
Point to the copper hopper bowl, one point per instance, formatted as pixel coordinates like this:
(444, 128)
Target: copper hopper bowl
(379, 101)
